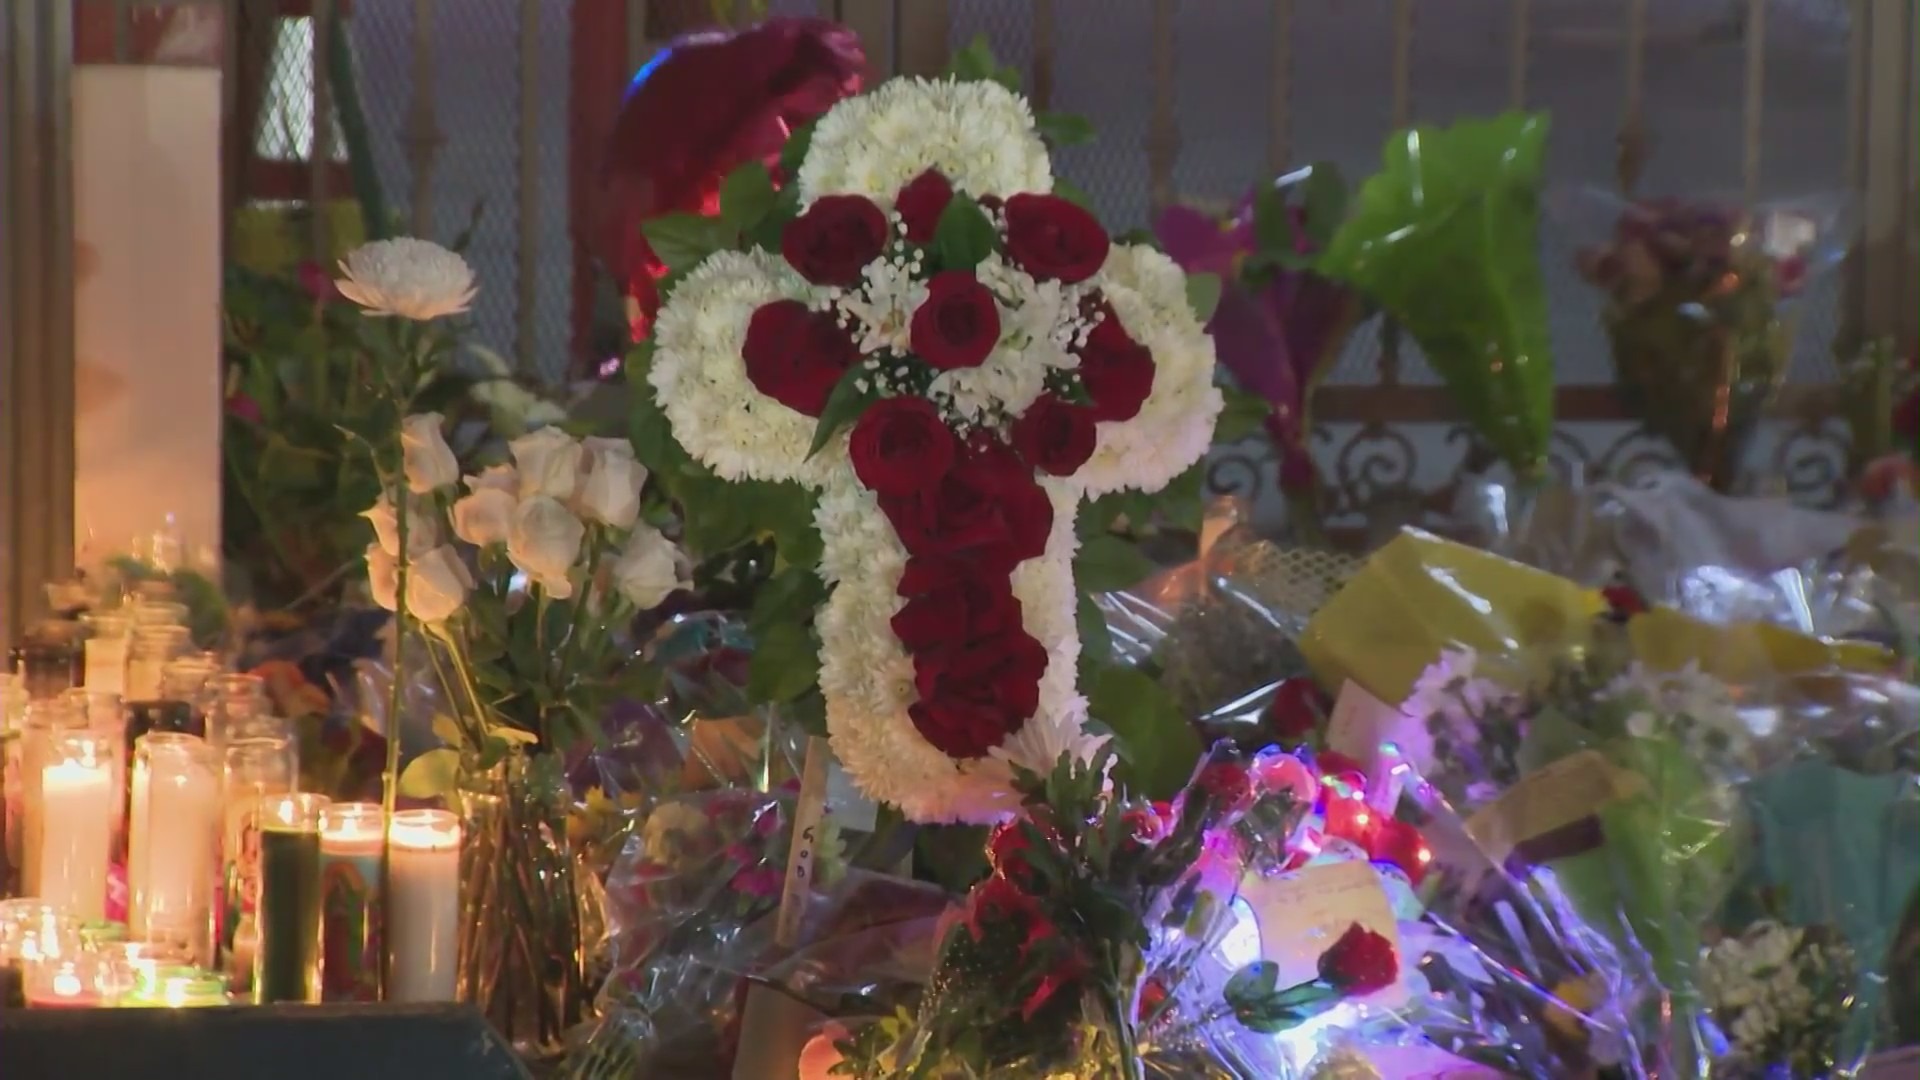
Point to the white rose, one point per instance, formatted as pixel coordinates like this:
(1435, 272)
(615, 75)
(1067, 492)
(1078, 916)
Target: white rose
(429, 461)
(650, 568)
(549, 462)
(610, 494)
(383, 576)
(408, 277)
(484, 517)
(496, 477)
(423, 527)
(543, 540)
(437, 585)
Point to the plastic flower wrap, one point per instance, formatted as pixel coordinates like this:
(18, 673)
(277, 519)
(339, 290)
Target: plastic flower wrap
(1694, 311)
(1280, 326)
(1444, 240)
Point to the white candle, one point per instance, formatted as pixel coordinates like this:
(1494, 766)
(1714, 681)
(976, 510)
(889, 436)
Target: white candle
(76, 830)
(172, 852)
(107, 664)
(423, 914)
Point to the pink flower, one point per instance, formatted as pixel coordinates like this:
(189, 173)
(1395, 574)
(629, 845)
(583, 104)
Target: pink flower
(242, 407)
(317, 282)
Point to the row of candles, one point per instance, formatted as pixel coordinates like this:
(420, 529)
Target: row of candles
(227, 865)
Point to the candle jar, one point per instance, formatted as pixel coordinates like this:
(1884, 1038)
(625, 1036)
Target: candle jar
(107, 716)
(257, 770)
(174, 841)
(76, 824)
(237, 701)
(49, 661)
(350, 902)
(109, 635)
(46, 722)
(153, 605)
(30, 930)
(150, 649)
(287, 963)
(78, 979)
(423, 906)
(188, 678)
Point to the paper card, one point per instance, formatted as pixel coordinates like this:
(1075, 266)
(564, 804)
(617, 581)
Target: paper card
(774, 1029)
(850, 809)
(1573, 788)
(1361, 725)
(1302, 914)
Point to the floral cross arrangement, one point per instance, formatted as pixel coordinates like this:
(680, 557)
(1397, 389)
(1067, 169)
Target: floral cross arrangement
(949, 357)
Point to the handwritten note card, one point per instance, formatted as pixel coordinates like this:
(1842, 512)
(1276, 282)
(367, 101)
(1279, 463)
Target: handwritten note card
(1302, 914)
(1550, 799)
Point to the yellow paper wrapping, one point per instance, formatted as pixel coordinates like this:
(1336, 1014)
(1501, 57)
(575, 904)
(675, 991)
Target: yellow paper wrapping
(1420, 594)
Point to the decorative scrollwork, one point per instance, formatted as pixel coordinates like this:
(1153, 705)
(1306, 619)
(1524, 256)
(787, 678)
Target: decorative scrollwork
(1811, 458)
(1248, 468)
(1637, 452)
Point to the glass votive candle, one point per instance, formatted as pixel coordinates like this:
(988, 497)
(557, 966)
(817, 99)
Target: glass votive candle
(158, 610)
(423, 906)
(256, 770)
(287, 963)
(80, 979)
(150, 649)
(29, 931)
(109, 635)
(236, 700)
(47, 721)
(76, 824)
(48, 661)
(174, 840)
(350, 899)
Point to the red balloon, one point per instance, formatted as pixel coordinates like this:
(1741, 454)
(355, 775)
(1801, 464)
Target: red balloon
(707, 105)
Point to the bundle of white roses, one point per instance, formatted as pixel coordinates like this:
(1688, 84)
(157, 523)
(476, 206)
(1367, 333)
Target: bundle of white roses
(954, 358)
(522, 574)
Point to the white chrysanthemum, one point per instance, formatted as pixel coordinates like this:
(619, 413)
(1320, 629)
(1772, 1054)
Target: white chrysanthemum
(867, 676)
(700, 377)
(407, 277)
(979, 134)
(1148, 292)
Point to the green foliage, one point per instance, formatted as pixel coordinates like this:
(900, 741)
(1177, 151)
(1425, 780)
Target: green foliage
(1242, 416)
(976, 63)
(963, 237)
(850, 397)
(1107, 563)
(1157, 746)
(682, 240)
(746, 197)
(1257, 1000)
(432, 775)
(1203, 295)
(1445, 239)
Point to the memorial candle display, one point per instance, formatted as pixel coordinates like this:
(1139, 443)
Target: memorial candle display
(286, 964)
(174, 840)
(47, 721)
(423, 908)
(350, 902)
(76, 824)
(257, 769)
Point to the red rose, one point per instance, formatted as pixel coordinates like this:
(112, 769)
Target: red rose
(997, 900)
(966, 608)
(921, 203)
(1623, 600)
(1226, 782)
(1007, 846)
(1054, 240)
(972, 699)
(1334, 763)
(835, 239)
(1116, 370)
(1297, 708)
(1360, 962)
(1399, 843)
(1054, 436)
(987, 509)
(1143, 826)
(1351, 819)
(900, 446)
(958, 323)
(796, 356)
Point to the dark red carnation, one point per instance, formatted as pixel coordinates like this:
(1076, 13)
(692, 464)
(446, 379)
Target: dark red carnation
(1361, 962)
(1297, 709)
(835, 239)
(900, 446)
(711, 104)
(922, 202)
(965, 608)
(1116, 370)
(958, 323)
(796, 356)
(1054, 436)
(1053, 239)
(1401, 844)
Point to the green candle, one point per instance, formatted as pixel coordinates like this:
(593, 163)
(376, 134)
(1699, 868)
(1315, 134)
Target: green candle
(286, 966)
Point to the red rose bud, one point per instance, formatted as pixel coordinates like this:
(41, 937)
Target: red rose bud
(998, 900)
(1115, 370)
(900, 446)
(1053, 239)
(1007, 845)
(1055, 436)
(317, 282)
(921, 203)
(1153, 994)
(835, 239)
(1624, 600)
(1144, 826)
(1394, 841)
(958, 324)
(796, 356)
(1297, 709)
(1351, 819)
(1361, 962)
(1225, 782)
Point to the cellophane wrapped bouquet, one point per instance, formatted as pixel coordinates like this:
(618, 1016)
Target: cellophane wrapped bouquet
(1703, 833)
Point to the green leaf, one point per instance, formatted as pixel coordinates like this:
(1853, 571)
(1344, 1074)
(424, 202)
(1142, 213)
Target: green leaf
(1256, 980)
(772, 228)
(844, 406)
(746, 197)
(789, 596)
(1182, 502)
(976, 63)
(431, 775)
(785, 664)
(794, 153)
(1108, 563)
(1096, 641)
(512, 735)
(1203, 294)
(1242, 416)
(447, 730)
(683, 240)
(1157, 745)
(1064, 129)
(963, 236)
(1324, 200)
(1445, 238)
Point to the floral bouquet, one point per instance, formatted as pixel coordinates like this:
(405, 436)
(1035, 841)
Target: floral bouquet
(1694, 293)
(1280, 326)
